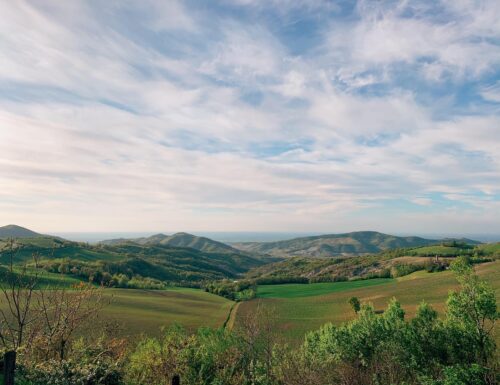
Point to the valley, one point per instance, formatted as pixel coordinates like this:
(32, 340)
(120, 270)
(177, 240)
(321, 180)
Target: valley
(157, 281)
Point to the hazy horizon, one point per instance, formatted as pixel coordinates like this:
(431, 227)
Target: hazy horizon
(251, 115)
(251, 236)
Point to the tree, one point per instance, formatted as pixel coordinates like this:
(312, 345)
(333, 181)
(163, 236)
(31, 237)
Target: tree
(37, 317)
(355, 304)
(62, 312)
(472, 310)
(18, 317)
(258, 331)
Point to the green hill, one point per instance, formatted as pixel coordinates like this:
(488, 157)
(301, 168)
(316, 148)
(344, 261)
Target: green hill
(146, 264)
(394, 262)
(14, 231)
(348, 244)
(179, 240)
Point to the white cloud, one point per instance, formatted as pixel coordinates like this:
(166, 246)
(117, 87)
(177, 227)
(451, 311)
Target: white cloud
(492, 93)
(244, 55)
(384, 37)
(102, 131)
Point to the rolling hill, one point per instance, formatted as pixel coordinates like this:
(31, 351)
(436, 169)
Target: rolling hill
(299, 309)
(348, 244)
(148, 258)
(179, 240)
(14, 231)
(394, 262)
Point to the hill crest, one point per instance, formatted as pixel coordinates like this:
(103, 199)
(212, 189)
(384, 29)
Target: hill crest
(329, 245)
(15, 231)
(180, 239)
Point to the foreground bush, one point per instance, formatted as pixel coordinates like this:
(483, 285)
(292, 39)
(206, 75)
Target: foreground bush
(70, 372)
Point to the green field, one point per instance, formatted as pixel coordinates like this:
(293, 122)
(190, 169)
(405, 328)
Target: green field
(299, 314)
(45, 279)
(147, 311)
(295, 290)
(490, 248)
(298, 307)
(441, 251)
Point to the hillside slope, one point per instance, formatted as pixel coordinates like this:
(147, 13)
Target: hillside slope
(153, 260)
(297, 314)
(14, 231)
(348, 244)
(179, 240)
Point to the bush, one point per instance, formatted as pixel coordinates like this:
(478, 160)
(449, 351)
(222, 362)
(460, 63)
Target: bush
(402, 269)
(71, 372)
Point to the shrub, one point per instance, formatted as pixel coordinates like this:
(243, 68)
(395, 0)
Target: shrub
(402, 269)
(71, 372)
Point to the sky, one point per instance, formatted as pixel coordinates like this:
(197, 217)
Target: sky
(250, 115)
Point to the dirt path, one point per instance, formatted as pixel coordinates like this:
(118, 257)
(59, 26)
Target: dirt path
(229, 324)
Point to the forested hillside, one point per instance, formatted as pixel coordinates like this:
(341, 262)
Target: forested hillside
(128, 264)
(178, 240)
(348, 244)
(390, 263)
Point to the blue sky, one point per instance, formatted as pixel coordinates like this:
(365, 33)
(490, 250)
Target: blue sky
(250, 115)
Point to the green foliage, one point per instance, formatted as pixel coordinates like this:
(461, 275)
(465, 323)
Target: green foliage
(355, 304)
(97, 363)
(388, 263)
(211, 356)
(355, 243)
(71, 372)
(472, 311)
(388, 349)
(280, 280)
(235, 290)
(402, 269)
(145, 265)
(371, 349)
(473, 374)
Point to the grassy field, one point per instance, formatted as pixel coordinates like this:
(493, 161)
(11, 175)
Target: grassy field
(299, 307)
(46, 279)
(147, 311)
(299, 314)
(441, 251)
(295, 290)
(492, 248)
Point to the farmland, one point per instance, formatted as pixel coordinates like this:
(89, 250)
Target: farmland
(147, 311)
(298, 314)
(137, 312)
(296, 290)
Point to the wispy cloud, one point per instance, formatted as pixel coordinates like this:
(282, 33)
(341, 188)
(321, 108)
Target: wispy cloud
(250, 115)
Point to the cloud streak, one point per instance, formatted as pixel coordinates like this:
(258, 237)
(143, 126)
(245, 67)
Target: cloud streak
(186, 117)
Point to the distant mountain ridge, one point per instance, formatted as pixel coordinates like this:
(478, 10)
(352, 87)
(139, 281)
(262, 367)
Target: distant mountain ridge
(14, 231)
(204, 244)
(329, 245)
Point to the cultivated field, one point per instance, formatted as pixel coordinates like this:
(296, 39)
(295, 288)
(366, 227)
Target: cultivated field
(147, 311)
(298, 307)
(298, 314)
(295, 290)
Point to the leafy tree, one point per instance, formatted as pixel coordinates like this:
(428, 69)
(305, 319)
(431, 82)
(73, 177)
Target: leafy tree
(355, 304)
(472, 311)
